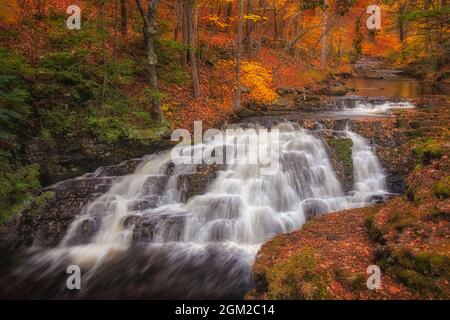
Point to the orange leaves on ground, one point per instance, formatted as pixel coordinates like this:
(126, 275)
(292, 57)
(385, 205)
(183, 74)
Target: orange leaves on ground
(214, 104)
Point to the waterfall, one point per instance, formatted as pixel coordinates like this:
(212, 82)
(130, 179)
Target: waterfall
(369, 176)
(209, 241)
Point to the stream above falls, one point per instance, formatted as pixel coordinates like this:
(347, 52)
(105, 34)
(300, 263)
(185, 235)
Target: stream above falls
(390, 88)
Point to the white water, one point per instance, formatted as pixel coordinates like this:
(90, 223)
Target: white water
(368, 108)
(241, 209)
(369, 176)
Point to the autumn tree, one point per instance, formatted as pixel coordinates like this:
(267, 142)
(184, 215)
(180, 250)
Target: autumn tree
(149, 32)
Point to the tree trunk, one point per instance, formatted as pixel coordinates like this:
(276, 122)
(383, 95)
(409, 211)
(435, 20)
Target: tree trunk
(116, 26)
(191, 24)
(228, 15)
(237, 105)
(357, 42)
(149, 32)
(249, 27)
(185, 34)
(331, 36)
(178, 19)
(426, 6)
(275, 22)
(189, 40)
(324, 39)
(123, 17)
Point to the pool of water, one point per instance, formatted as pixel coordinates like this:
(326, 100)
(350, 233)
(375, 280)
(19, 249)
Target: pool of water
(398, 88)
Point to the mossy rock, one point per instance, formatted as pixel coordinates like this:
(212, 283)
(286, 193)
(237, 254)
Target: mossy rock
(375, 233)
(442, 189)
(342, 154)
(428, 150)
(299, 277)
(354, 281)
(343, 149)
(400, 220)
(424, 272)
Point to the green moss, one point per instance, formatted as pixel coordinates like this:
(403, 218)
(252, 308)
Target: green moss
(107, 129)
(428, 150)
(414, 280)
(442, 189)
(401, 219)
(40, 202)
(354, 281)
(14, 93)
(298, 278)
(411, 194)
(425, 272)
(375, 233)
(343, 150)
(17, 186)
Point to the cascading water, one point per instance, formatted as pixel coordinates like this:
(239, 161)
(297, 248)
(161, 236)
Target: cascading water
(369, 176)
(141, 232)
(355, 106)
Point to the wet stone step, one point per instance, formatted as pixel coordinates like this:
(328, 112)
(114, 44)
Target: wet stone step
(149, 202)
(167, 227)
(314, 207)
(89, 185)
(86, 231)
(154, 185)
(124, 168)
(192, 184)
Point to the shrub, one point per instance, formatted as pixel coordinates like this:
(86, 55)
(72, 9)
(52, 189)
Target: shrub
(14, 93)
(107, 129)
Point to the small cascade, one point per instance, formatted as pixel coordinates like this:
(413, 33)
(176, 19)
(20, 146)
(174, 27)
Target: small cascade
(358, 106)
(369, 175)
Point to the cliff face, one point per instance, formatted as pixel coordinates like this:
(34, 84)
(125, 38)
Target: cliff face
(407, 236)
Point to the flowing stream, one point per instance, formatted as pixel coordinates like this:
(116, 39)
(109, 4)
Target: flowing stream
(149, 237)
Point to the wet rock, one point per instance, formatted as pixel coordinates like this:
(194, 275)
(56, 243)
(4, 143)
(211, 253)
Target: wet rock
(67, 158)
(340, 151)
(147, 228)
(44, 224)
(193, 184)
(150, 202)
(313, 208)
(378, 198)
(155, 184)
